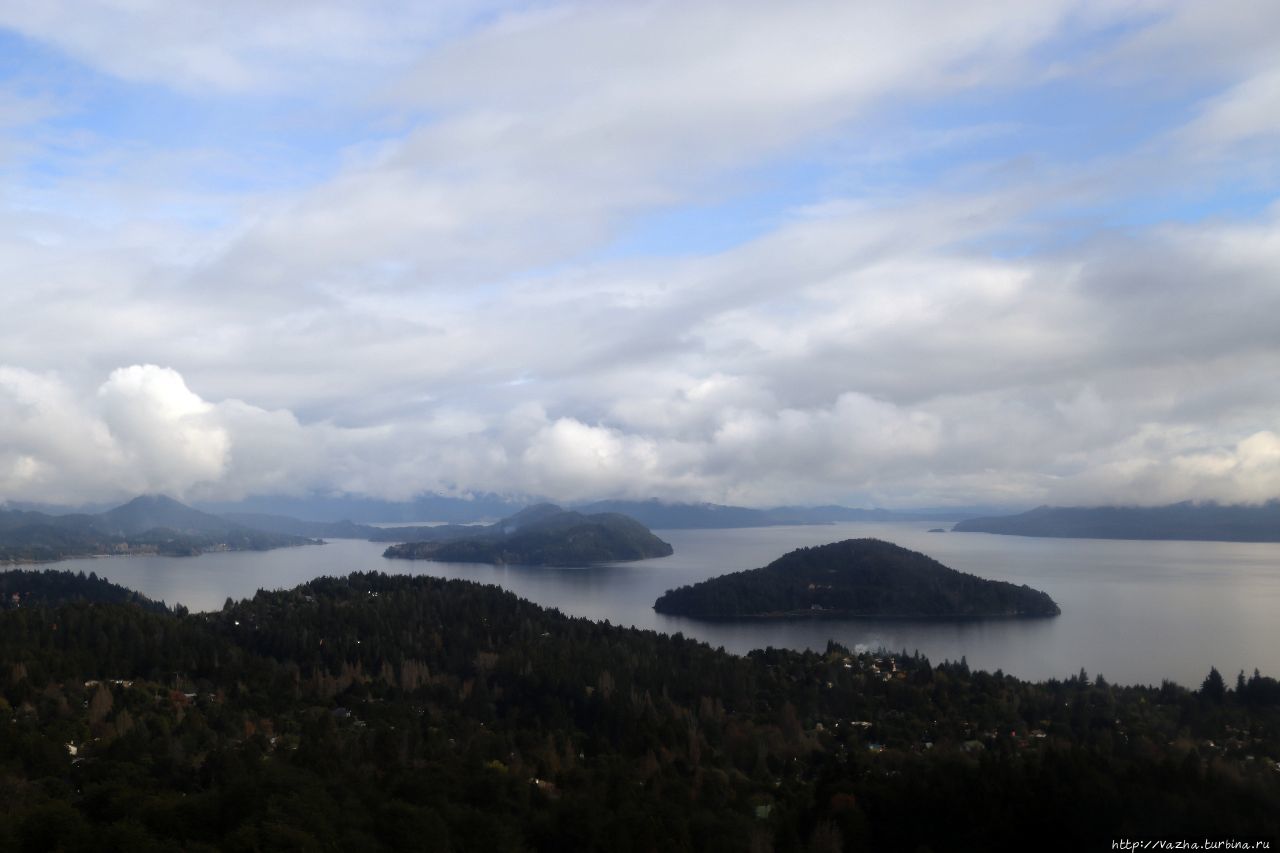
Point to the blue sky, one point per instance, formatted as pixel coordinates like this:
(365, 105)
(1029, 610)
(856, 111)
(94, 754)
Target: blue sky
(743, 252)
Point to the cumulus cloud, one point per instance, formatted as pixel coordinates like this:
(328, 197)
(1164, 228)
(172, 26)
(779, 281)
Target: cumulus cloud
(446, 305)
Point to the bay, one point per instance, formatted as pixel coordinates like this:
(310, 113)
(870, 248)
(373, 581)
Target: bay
(1134, 611)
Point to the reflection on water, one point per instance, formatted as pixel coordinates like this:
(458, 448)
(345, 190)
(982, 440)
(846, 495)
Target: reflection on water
(1133, 611)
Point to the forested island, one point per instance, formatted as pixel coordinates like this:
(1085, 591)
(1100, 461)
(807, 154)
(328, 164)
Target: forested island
(856, 577)
(407, 713)
(146, 525)
(1209, 522)
(542, 535)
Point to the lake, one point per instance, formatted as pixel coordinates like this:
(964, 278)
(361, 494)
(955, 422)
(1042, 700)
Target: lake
(1136, 612)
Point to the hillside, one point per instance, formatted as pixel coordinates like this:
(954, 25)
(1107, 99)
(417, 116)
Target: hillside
(36, 588)
(544, 535)
(1181, 521)
(376, 712)
(857, 577)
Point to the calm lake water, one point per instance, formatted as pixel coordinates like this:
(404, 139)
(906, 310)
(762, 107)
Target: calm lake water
(1137, 612)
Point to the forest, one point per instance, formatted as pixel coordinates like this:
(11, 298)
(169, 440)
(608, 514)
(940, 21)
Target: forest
(376, 712)
(540, 535)
(856, 577)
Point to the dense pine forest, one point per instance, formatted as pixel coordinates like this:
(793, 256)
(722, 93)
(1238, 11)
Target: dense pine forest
(856, 577)
(384, 712)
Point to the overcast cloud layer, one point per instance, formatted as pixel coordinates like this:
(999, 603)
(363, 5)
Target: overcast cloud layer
(747, 252)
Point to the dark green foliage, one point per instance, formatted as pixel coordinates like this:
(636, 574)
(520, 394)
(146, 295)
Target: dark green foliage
(397, 713)
(34, 588)
(544, 535)
(1182, 521)
(857, 577)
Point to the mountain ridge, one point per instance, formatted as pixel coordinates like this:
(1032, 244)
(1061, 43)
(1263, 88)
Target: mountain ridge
(148, 524)
(1185, 521)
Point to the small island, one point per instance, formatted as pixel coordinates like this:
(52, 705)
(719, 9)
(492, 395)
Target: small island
(543, 535)
(854, 578)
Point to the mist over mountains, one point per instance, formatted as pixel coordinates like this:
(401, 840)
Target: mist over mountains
(161, 524)
(150, 524)
(1180, 521)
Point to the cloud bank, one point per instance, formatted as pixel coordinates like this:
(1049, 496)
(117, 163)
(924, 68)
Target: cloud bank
(747, 253)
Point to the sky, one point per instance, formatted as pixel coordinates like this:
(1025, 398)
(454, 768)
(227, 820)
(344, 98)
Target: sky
(760, 253)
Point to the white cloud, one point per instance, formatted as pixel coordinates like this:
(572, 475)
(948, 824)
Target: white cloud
(238, 46)
(424, 318)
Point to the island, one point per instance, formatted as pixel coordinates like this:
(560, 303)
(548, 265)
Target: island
(1186, 521)
(542, 535)
(854, 578)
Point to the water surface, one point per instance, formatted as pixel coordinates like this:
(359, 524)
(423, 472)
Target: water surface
(1135, 611)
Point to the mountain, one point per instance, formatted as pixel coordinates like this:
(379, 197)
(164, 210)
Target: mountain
(483, 508)
(544, 535)
(359, 509)
(297, 527)
(857, 577)
(151, 524)
(152, 511)
(663, 515)
(1181, 521)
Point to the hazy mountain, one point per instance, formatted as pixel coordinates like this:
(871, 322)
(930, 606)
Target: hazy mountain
(689, 516)
(857, 577)
(298, 527)
(151, 511)
(364, 510)
(543, 535)
(653, 513)
(1182, 521)
(149, 524)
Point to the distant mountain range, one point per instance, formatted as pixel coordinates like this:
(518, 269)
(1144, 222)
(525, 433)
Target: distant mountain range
(688, 516)
(364, 510)
(653, 513)
(157, 524)
(356, 515)
(151, 524)
(1181, 521)
(542, 535)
